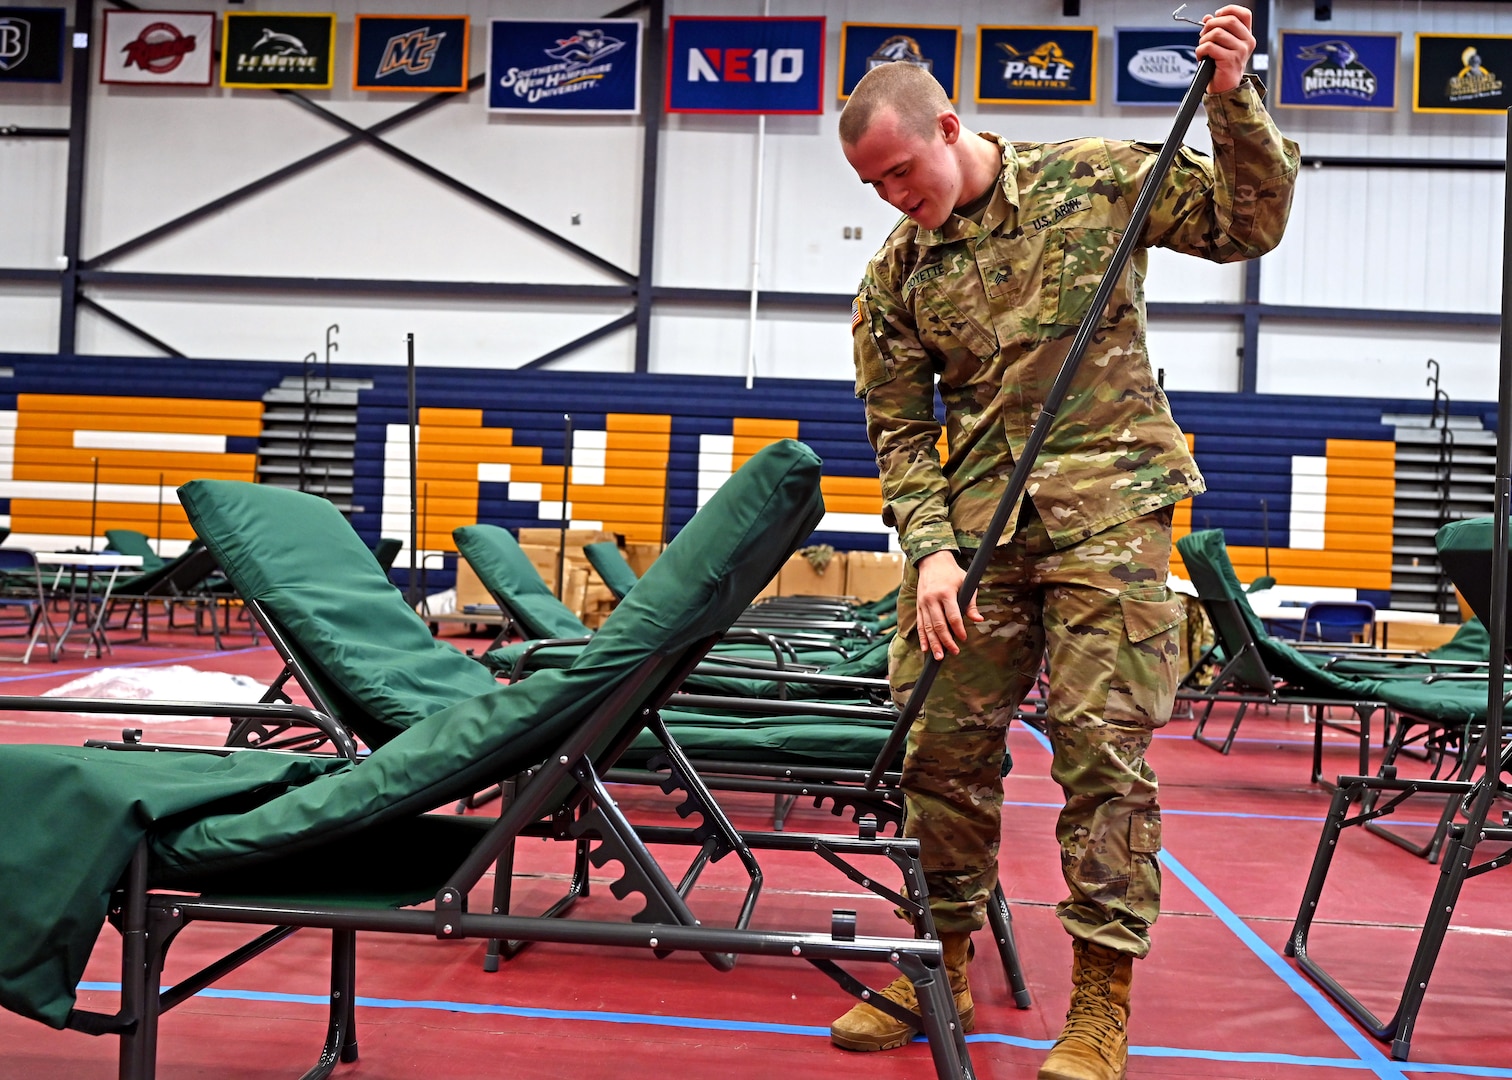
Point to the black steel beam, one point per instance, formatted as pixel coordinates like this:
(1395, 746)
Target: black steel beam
(15, 131)
(465, 190)
(24, 273)
(73, 207)
(577, 343)
(1249, 351)
(1418, 164)
(370, 286)
(129, 327)
(277, 176)
(651, 96)
(1332, 314)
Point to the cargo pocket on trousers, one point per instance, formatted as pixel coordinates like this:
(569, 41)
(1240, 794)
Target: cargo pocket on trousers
(1145, 675)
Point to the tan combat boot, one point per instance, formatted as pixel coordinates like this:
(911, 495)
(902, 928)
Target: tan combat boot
(1094, 1044)
(867, 1028)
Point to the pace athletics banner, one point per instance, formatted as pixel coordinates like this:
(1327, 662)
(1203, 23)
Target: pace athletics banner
(410, 52)
(1462, 73)
(936, 49)
(1036, 65)
(581, 66)
(278, 50)
(31, 44)
(1351, 70)
(158, 48)
(718, 64)
(1153, 66)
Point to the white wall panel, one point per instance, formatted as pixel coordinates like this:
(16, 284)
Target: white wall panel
(1378, 361)
(28, 318)
(1197, 354)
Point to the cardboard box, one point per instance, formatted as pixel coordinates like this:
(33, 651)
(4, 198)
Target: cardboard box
(469, 589)
(576, 538)
(871, 575)
(799, 578)
(641, 556)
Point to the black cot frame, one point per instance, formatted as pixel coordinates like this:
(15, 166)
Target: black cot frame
(567, 794)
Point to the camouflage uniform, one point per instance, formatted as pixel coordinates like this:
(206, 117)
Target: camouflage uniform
(986, 313)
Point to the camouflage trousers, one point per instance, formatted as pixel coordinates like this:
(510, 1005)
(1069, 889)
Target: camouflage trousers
(1101, 614)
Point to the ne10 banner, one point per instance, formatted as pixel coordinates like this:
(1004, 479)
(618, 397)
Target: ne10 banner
(936, 49)
(582, 67)
(1153, 66)
(718, 64)
(31, 44)
(1036, 65)
(1351, 70)
(1462, 73)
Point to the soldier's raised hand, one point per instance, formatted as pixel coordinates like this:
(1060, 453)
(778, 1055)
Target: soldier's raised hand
(1227, 40)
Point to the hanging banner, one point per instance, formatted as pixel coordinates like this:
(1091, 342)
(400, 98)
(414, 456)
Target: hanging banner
(157, 48)
(410, 52)
(584, 66)
(1153, 66)
(936, 49)
(278, 50)
(1036, 65)
(1462, 73)
(31, 44)
(1339, 71)
(717, 64)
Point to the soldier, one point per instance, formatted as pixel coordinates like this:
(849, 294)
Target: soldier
(977, 293)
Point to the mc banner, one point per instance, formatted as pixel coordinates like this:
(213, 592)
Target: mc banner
(581, 66)
(157, 48)
(936, 49)
(1036, 65)
(1462, 73)
(410, 52)
(1339, 71)
(1153, 66)
(732, 65)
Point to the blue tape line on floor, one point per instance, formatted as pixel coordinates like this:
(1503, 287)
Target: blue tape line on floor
(708, 1024)
(1369, 1054)
(52, 673)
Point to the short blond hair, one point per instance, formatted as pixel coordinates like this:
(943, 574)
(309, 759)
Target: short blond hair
(913, 94)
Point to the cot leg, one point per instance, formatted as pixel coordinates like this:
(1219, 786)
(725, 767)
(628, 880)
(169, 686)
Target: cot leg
(1001, 921)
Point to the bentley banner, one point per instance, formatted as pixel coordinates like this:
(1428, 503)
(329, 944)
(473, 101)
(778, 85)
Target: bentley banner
(1462, 73)
(31, 44)
(278, 51)
(410, 52)
(733, 65)
(1153, 67)
(1036, 65)
(581, 66)
(936, 49)
(158, 48)
(1351, 70)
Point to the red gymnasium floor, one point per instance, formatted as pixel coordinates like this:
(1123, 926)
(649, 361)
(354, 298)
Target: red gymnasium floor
(1216, 999)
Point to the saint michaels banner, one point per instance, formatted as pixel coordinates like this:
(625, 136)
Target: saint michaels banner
(1351, 70)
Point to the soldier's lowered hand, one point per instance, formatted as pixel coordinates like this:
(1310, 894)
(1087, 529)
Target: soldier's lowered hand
(939, 615)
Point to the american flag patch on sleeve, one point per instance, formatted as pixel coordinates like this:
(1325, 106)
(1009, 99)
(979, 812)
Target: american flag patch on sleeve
(855, 313)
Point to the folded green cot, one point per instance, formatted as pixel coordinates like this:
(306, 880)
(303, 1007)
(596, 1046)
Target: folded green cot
(300, 841)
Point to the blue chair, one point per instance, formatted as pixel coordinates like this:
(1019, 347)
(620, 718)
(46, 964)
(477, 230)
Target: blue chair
(21, 591)
(1345, 621)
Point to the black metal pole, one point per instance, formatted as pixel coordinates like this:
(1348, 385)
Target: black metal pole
(562, 539)
(1053, 400)
(651, 94)
(73, 210)
(414, 581)
(1265, 531)
(94, 501)
(160, 516)
(331, 346)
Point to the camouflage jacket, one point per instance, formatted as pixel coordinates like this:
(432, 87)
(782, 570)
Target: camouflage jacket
(990, 311)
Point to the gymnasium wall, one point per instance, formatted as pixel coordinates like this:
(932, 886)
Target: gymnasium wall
(647, 451)
(1361, 238)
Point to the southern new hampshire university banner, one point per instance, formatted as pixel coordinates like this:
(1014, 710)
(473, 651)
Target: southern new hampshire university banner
(717, 64)
(1350, 70)
(278, 50)
(1462, 73)
(1036, 65)
(581, 66)
(936, 49)
(31, 44)
(158, 48)
(410, 52)
(1153, 66)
